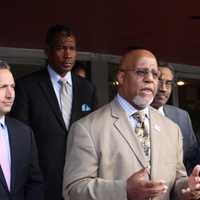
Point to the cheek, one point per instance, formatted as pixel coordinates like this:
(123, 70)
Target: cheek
(55, 55)
(2, 96)
(74, 54)
(58, 56)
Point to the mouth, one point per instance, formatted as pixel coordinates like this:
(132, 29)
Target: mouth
(68, 63)
(8, 103)
(147, 91)
(161, 97)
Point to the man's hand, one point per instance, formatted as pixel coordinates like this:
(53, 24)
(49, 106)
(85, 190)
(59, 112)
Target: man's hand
(140, 189)
(193, 190)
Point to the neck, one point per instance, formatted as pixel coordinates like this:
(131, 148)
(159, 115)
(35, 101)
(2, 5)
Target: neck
(138, 107)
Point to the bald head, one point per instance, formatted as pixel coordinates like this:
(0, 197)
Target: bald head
(132, 57)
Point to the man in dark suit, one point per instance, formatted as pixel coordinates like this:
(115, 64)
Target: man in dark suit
(38, 104)
(20, 176)
(179, 116)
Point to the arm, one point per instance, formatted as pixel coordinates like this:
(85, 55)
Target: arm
(81, 180)
(181, 180)
(94, 98)
(34, 185)
(192, 155)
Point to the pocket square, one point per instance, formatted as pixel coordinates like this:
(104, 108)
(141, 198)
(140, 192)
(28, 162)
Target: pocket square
(85, 108)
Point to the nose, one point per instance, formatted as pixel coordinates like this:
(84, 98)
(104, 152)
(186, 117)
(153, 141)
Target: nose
(149, 77)
(10, 92)
(67, 53)
(162, 86)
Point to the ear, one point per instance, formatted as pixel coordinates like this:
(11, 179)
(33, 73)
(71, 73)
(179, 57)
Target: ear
(46, 51)
(120, 77)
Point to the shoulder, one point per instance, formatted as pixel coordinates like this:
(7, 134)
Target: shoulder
(175, 109)
(34, 76)
(98, 114)
(161, 119)
(98, 117)
(82, 82)
(17, 125)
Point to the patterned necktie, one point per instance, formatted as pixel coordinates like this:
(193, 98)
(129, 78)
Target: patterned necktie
(65, 101)
(4, 160)
(142, 134)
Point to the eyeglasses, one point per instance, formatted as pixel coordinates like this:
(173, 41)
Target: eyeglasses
(167, 83)
(144, 72)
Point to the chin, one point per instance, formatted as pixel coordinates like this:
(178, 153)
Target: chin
(142, 102)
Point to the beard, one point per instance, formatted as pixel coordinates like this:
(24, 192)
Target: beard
(141, 102)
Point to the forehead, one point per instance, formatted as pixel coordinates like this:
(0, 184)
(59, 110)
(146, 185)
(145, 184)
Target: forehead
(166, 73)
(146, 62)
(63, 39)
(140, 62)
(6, 77)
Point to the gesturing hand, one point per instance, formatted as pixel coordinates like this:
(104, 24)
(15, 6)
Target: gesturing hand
(139, 188)
(193, 190)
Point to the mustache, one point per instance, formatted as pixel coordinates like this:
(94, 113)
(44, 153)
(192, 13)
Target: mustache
(162, 94)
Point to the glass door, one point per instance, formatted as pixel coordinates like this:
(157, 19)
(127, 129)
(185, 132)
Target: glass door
(188, 93)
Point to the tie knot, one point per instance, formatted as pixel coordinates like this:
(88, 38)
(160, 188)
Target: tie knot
(139, 116)
(63, 81)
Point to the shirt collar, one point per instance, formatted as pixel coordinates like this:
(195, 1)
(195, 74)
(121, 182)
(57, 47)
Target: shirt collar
(56, 77)
(161, 110)
(129, 109)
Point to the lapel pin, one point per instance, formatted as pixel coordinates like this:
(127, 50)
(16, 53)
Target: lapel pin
(157, 127)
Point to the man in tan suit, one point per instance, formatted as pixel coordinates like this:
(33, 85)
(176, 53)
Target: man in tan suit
(107, 160)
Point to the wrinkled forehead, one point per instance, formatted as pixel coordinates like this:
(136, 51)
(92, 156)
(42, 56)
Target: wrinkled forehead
(140, 62)
(146, 62)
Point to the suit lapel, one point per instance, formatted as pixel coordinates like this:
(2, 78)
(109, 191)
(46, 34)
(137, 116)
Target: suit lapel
(13, 155)
(2, 180)
(169, 113)
(75, 99)
(155, 131)
(48, 91)
(124, 128)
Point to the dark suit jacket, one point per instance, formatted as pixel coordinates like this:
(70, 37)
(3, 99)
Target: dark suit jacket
(26, 179)
(190, 144)
(36, 105)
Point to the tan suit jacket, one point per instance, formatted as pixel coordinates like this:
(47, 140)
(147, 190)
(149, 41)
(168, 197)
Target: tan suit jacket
(103, 151)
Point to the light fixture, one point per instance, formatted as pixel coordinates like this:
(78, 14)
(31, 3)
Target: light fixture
(180, 83)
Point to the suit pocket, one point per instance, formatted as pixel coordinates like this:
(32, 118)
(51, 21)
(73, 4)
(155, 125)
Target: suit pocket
(168, 172)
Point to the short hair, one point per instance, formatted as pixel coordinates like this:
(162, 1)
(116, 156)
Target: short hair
(168, 66)
(4, 65)
(54, 30)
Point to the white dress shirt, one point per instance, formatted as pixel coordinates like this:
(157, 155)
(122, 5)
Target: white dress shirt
(55, 78)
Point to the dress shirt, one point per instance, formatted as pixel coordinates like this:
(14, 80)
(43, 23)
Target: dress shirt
(55, 78)
(130, 110)
(161, 110)
(4, 131)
